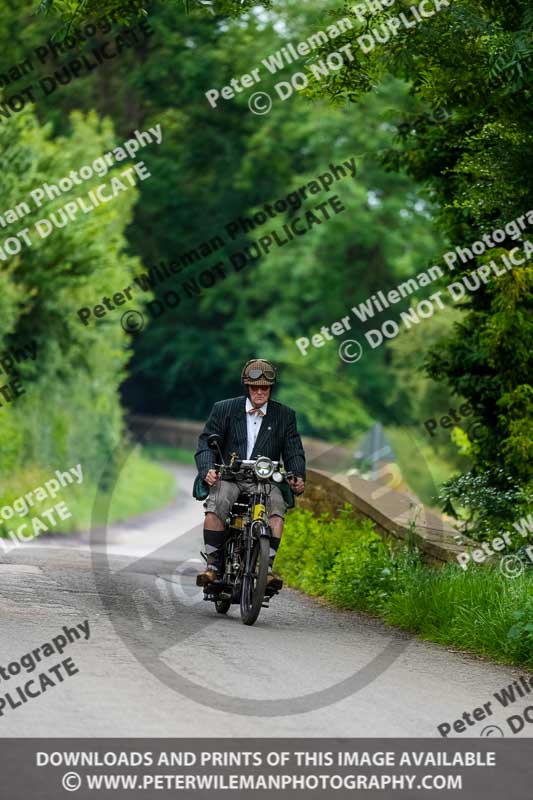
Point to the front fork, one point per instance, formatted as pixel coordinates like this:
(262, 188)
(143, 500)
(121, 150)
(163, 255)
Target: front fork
(257, 528)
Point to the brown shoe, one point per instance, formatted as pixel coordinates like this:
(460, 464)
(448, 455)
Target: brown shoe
(274, 582)
(205, 578)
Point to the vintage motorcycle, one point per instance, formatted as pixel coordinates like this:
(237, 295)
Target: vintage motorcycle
(247, 536)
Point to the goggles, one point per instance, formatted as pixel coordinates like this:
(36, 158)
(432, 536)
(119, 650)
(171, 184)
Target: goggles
(258, 372)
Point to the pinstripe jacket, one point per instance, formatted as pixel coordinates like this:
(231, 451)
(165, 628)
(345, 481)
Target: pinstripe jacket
(278, 436)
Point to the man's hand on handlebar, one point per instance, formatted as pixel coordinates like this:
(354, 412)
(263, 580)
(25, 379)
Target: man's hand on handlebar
(297, 484)
(212, 477)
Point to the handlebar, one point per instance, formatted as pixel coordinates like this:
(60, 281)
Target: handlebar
(250, 464)
(247, 465)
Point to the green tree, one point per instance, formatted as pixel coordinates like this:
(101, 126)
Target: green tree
(468, 139)
(231, 169)
(71, 408)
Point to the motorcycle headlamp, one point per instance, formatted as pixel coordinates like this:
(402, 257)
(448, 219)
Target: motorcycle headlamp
(263, 467)
(277, 477)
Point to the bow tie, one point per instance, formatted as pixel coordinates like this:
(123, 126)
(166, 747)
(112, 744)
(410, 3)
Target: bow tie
(258, 411)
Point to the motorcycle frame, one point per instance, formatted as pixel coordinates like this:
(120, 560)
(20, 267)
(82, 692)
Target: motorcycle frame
(256, 516)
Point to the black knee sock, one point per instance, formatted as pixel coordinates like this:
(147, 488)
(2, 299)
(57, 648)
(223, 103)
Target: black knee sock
(274, 544)
(214, 542)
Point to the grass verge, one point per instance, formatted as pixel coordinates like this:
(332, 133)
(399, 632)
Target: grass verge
(347, 562)
(161, 452)
(142, 486)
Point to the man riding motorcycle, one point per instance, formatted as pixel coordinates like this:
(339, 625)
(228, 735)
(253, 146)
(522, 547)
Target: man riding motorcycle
(251, 425)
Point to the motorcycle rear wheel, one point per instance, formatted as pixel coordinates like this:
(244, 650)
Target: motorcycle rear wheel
(253, 588)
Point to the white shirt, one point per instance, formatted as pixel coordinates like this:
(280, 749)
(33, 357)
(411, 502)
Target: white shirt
(253, 426)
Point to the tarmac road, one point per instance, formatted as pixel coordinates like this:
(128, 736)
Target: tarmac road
(161, 662)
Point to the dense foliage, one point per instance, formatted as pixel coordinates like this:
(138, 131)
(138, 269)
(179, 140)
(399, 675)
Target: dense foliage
(474, 62)
(71, 405)
(347, 562)
(216, 165)
(444, 106)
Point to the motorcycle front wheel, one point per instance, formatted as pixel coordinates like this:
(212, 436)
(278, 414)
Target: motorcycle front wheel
(254, 584)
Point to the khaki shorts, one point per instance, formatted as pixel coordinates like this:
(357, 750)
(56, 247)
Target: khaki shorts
(224, 493)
